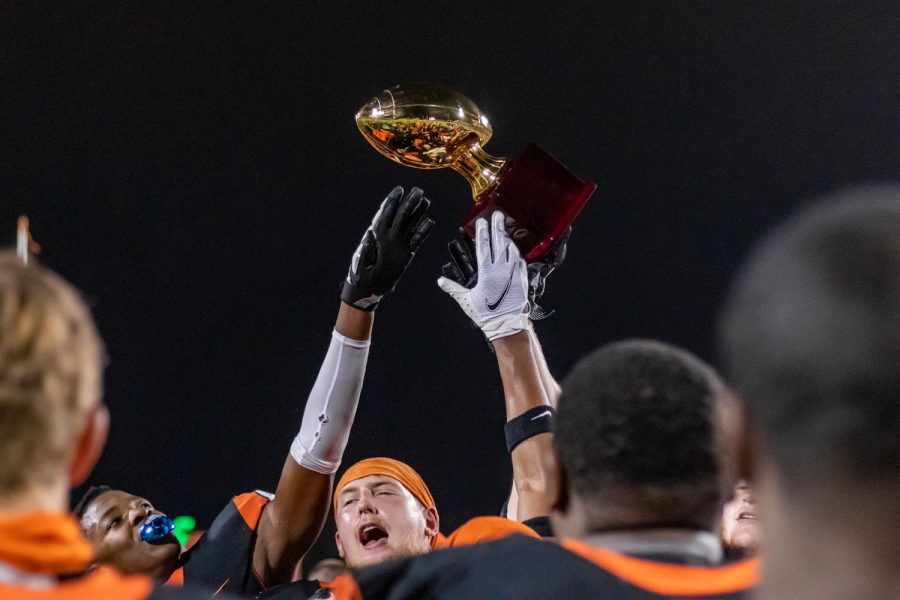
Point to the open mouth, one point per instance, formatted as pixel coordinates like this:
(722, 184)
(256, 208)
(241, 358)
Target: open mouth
(372, 536)
(748, 516)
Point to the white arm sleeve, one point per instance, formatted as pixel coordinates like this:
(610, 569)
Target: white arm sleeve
(331, 406)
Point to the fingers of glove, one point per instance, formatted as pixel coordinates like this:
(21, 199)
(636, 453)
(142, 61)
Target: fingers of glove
(385, 215)
(482, 243)
(415, 218)
(403, 218)
(502, 246)
(420, 233)
(511, 251)
(564, 238)
(451, 287)
(499, 239)
(368, 251)
(559, 253)
(354, 260)
(469, 244)
(451, 272)
(520, 279)
(537, 276)
(462, 259)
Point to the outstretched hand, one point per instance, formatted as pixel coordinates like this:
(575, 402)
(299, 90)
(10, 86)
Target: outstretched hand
(462, 269)
(495, 296)
(387, 247)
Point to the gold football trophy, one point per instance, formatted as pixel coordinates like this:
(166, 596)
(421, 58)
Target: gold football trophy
(428, 126)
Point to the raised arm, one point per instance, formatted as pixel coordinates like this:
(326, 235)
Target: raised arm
(551, 386)
(528, 413)
(494, 293)
(552, 391)
(292, 521)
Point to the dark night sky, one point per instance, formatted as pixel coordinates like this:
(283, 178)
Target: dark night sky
(194, 168)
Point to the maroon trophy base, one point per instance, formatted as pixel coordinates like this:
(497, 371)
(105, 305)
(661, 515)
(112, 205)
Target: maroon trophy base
(540, 198)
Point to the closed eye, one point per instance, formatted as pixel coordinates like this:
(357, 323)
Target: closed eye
(348, 501)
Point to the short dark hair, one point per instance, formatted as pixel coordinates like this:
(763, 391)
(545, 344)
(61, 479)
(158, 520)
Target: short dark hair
(810, 336)
(637, 419)
(89, 496)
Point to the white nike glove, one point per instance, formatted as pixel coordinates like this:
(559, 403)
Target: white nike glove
(498, 302)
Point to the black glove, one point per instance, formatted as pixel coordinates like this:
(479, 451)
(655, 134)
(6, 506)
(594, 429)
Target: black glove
(389, 244)
(538, 272)
(463, 271)
(462, 267)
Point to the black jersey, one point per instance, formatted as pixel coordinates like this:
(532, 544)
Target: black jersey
(222, 559)
(520, 567)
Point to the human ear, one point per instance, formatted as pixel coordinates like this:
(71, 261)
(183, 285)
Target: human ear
(90, 445)
(337, 542)
(432, 522)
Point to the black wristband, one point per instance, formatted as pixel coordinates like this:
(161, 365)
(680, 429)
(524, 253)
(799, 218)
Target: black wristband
(352, 296)
(530, 423)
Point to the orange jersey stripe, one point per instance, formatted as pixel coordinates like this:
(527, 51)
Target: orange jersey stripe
(250, 506)
(671, 579)
(343, 587)
(483, 529)
(177, 577)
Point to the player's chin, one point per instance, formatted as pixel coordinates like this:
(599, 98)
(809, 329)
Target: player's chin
(162, 550)
(747, 536)
(150, 560)
(367, 558)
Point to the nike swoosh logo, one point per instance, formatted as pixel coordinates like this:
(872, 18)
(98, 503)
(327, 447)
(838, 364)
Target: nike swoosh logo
(546, 413)
(492, 306)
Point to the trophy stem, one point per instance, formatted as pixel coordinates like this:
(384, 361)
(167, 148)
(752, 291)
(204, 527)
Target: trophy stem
(478, 167)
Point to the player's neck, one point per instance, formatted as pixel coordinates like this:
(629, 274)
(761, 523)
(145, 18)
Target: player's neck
(589, 517)
(36, 497)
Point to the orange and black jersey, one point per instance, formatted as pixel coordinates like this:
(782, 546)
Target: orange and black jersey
(222, 559)
(522, 567)
(672, 580)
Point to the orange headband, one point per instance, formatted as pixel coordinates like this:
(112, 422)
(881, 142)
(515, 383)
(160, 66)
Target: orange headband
(388, 467)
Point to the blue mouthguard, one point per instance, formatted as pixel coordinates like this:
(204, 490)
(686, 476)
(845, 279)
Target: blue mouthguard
(156, 527)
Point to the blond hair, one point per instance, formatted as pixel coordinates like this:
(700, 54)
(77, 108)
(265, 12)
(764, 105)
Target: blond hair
(50, 372)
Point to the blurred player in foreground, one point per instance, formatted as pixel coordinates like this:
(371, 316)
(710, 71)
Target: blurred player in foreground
(53, 426)
(811, 338)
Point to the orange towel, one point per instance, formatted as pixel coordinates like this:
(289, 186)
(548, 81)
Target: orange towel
(43, 542)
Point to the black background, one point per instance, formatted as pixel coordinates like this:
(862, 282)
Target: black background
(194, 168)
